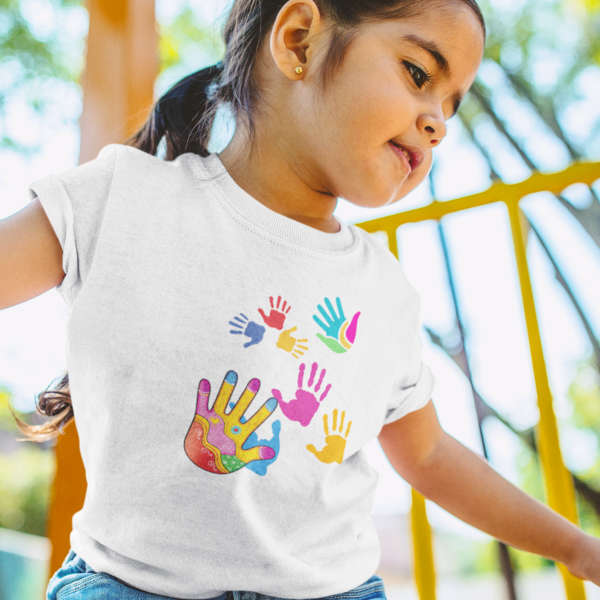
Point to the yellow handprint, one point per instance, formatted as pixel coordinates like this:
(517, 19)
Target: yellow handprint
(335, 444)
(291, 344)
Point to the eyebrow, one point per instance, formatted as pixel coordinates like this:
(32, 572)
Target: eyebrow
(432, 48)
(440, 59)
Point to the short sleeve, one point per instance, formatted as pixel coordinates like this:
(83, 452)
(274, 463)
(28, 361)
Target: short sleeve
(74, 202)
(415, 381)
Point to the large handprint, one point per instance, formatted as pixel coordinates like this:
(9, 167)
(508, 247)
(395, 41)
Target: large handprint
(304, 406)
(340, 333)
(215, 439)
(335, 445)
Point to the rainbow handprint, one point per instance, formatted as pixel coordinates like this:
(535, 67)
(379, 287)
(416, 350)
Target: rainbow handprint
(304, 406)
(340, 333)
(215, 439)
(335, 445)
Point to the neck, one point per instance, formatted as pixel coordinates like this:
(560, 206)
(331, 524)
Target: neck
(280, 179)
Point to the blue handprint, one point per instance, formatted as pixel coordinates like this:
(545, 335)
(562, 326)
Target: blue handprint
(340, 333)
(252, 441)
(248, 328)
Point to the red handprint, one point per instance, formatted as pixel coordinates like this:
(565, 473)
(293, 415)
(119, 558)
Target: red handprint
(276, 318)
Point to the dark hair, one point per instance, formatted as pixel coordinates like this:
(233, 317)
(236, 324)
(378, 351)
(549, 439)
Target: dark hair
(184, 116)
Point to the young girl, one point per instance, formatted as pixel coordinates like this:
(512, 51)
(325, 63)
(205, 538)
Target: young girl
(232, 346)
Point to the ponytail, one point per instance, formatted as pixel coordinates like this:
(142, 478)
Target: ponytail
(183, 116)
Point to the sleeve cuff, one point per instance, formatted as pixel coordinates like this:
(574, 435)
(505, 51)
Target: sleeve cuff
(418, 397)
(57, 206)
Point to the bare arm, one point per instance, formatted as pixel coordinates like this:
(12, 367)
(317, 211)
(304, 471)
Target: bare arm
(463, 483)
(30, 255)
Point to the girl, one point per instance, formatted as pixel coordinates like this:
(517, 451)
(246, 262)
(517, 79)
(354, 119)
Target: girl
(231, 345)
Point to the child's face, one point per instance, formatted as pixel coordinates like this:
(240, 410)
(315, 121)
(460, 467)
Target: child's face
(376, 96)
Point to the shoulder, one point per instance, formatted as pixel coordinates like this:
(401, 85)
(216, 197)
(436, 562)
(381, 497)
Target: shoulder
(389, 272)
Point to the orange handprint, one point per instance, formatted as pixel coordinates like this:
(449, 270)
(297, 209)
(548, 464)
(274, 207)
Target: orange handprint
(335, 444)
(276, 317)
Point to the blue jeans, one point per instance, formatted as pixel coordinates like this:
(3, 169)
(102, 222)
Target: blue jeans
(76, 580)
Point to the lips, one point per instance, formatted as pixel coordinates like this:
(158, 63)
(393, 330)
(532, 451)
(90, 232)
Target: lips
(414, 155)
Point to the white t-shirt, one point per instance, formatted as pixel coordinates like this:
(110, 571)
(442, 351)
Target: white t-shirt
(227, 366)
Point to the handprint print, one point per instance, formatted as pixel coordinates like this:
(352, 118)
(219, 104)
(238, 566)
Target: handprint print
(340, 333)
(290, 344)
(278, 313)
(215, 439)
(304, 406)
(260, 466)
(335, 445)
(248, 328)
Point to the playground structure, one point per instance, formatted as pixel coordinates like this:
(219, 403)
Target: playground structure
(118, 84)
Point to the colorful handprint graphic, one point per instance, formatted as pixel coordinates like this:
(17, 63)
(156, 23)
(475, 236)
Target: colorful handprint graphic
(252, 330)
(276, 317)
(304, 406)
(340, 333)
(335, 445)
(215, 439)
(260, 466)
(291, 344)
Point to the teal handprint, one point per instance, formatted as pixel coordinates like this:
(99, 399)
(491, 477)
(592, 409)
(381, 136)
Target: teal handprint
(340, 334)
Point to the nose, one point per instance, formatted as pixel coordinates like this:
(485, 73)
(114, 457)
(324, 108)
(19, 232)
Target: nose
(433, 126)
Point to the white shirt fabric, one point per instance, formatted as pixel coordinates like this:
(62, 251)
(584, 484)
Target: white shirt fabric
(227, 366)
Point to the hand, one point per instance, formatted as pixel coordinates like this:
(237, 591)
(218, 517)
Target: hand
(340, 333)
(276, 318)
(304, 406)
(250, 329)
(291, 344)
(335, 444)
(586, 559)
(215, 439)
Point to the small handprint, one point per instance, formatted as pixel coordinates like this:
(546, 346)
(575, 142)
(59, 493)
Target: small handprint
(290, 344)
(215, 439)
(304, 406)
(335, 445)
(250, 329)
(340, 333)
(278, 313)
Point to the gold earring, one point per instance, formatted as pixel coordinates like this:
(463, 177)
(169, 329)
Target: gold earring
(298, 70)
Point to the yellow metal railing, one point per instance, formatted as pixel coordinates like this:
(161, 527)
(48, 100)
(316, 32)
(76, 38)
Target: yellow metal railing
(560, 491)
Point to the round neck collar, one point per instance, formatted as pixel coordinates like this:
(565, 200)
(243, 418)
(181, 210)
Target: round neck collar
(267, 220)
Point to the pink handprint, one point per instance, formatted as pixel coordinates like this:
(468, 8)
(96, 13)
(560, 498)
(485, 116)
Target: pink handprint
(304, 406)
(276, 317)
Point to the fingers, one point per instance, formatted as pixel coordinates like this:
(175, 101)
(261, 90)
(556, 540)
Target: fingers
(325, 315)
(312, 449)
(242, 404)
(225, 393)
(320, 323)
(340, 309)
(256, 453)
(203, 396)
(261, 416)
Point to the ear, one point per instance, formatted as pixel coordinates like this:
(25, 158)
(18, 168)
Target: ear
(294, 35)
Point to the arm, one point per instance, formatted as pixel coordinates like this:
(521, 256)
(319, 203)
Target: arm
(463, 483)
(30, 255)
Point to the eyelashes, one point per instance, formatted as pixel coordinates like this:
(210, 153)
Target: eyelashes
(420, 77)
